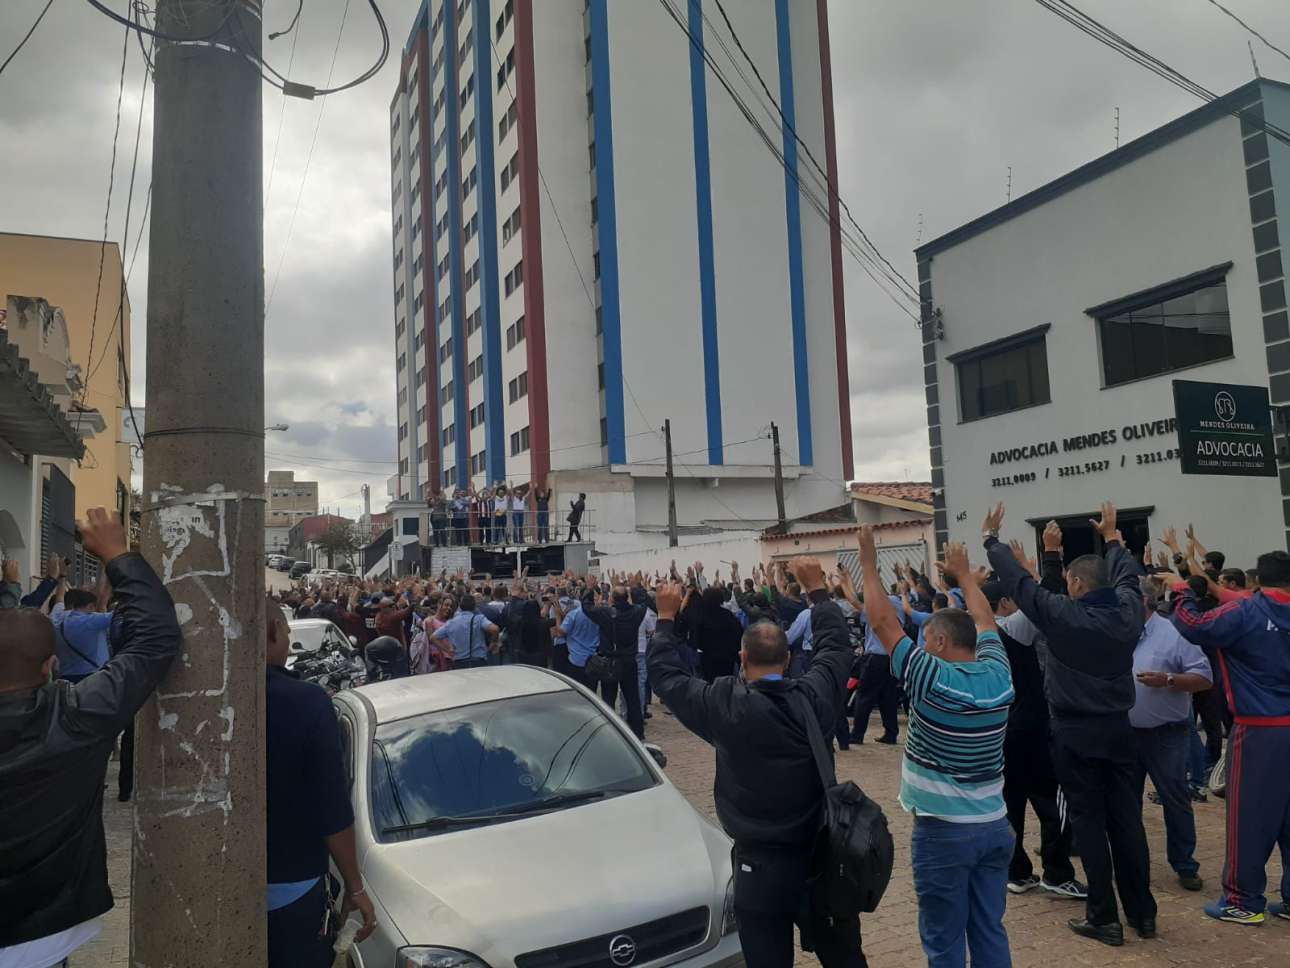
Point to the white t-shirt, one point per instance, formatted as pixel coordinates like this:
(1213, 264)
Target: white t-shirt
(648, 625)
(51, 949)
(1019, 627)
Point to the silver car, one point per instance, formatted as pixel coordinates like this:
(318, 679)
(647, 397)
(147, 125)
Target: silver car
(507, 819)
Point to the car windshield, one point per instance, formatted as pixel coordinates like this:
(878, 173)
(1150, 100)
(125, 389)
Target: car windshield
(497, 761)
(310, 638)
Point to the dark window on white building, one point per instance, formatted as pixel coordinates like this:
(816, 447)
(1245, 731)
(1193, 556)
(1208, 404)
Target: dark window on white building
(1007, 374)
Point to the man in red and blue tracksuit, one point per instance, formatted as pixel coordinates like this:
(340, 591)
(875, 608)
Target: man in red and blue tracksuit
(1252, 640)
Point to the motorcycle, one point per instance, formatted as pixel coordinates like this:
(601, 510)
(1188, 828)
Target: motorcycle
(334, 667)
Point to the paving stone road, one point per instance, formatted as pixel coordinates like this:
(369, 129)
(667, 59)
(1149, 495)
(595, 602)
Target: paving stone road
(1036, 924)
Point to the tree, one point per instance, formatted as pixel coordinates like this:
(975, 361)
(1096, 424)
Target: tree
(340, 539)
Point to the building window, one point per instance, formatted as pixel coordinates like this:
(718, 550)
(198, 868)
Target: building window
(595, 211)
(445, 351)
(506, 69)
(595, 265)
(604, 432)
(449, 476)
(473, 323)
(417, 340)
(507, 122)
(1005, 375)
(510, 171)
(591, 155)
(478, 462)
(403, 431)
(514, 278)
(1171, 327)
(511, 227)
(515, 333)
(504, 18)
(399, 328)
(476, 416)
(449, 434)
(421, 376)
(446, 393)
(403, 396)
(520, 441)
(421, 415)
(600, 374)
(403, 361)
(600, 322)
(519, 387)
(476, 369)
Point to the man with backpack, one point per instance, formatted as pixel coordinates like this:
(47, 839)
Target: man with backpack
(774, 815)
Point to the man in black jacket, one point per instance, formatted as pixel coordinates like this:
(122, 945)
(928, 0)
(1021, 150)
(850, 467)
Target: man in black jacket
(768, 791)
(625, 626)
(1088, 680)
(55, 741)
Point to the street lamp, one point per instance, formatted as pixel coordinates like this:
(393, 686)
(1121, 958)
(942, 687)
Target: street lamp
(279, 426)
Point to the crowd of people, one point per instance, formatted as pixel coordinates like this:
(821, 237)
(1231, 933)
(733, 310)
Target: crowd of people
(1062, 685)
(500, 514)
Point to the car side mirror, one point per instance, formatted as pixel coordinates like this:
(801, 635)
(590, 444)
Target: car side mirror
(353, 640)
(297, 647)
(657, 755)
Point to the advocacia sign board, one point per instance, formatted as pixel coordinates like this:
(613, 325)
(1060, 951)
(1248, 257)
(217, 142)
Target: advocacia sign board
(1224, 429)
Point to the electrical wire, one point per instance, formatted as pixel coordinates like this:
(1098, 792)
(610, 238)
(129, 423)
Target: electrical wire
(1104, 35)
(300, 6)
(27, 36)
(282, 115)
(90, 366)
(98, 288)
(870, 264)
(1267, 43)
(291, 225)
(158, 35)
(834, 195)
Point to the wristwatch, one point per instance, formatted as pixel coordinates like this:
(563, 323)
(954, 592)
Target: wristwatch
(1169, 680)
(989, 533)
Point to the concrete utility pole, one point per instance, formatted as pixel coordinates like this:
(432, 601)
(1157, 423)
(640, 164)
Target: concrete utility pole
(672, 541)
(779, 477)
(199, 866)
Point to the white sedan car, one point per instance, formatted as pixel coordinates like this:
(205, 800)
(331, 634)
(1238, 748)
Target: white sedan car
(311, 634)
(507, 819)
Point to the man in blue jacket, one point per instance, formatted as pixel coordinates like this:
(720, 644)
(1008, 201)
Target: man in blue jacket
(1252, 639)
(1092, 632)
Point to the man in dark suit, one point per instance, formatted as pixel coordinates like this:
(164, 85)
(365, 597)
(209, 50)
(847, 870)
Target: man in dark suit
(769, 795)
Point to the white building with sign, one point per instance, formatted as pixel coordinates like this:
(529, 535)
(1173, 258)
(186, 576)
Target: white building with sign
(1056, 326)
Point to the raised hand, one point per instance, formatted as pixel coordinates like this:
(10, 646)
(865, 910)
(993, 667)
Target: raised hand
(993, 519)
(1052, 536)
(668, 600)
(956, 562)
(1019, 552)
(1105, 526)
(868, 549)
(808, 572)
(103, 535)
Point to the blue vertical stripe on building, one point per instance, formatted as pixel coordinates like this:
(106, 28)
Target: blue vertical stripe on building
(703, 206)
(607, 230)
(456, 271)
(793, 209)
(494, 401)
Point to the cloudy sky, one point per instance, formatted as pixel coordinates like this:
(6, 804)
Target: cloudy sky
(935, 100)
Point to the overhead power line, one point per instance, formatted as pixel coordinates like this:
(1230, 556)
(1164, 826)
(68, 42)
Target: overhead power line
(870, 264)
(1105, 35)
(27, 36)
(1267, 43)
(835, 195)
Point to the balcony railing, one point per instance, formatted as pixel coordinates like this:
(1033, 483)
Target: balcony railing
(514, 529)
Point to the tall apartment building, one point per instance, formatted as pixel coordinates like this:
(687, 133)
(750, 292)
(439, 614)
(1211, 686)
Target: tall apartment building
(290, 502)
(589, 238)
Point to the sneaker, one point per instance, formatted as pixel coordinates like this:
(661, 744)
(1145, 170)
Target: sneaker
(1072, 889)
(1279, 909)
(1111, 934)
(1220, 910)
(1191, 882)
(1023, 884)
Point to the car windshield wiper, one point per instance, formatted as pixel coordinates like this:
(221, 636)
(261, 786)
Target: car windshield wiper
(446, 823)
(557, 800)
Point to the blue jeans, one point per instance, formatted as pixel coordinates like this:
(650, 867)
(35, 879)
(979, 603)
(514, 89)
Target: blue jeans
(961, 878)
(642, 677)
(1197, 760)
(517, 526)
(1162, 753)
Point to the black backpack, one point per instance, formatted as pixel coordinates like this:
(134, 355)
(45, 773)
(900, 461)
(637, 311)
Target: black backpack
(854, 853)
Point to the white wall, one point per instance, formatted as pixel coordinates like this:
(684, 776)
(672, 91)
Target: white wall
(1173, 212)
(714, 553)
(18, 496)
(560, 76)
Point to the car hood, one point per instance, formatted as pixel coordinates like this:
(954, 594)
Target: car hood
(528, 884)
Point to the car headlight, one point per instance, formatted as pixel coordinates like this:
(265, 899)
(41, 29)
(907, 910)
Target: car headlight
(430, 957)
(729, 923)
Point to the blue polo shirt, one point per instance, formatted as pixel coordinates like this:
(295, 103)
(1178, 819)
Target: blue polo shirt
(583, 636)
(466, 631)
(82, 640)
(307, 792)
(799, 633)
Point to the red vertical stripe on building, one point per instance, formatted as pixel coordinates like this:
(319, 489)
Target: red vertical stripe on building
(835, 242)
(430, 339)
(531, 245)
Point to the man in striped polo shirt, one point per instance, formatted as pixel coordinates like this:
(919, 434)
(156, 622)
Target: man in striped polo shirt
(960, 687)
